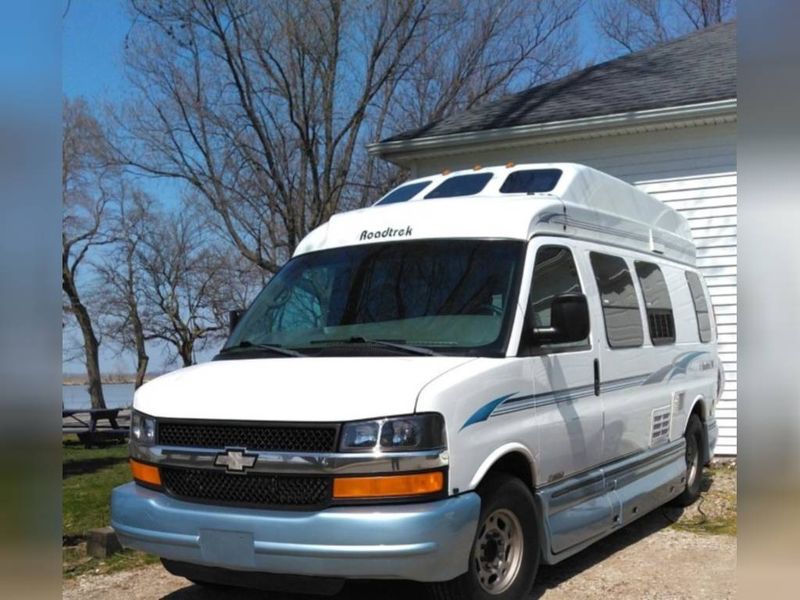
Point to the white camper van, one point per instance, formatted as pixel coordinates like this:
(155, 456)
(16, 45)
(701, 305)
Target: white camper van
(485, 370)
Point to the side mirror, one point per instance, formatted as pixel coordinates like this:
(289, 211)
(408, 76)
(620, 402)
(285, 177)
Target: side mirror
(234, 317)
(569, 321)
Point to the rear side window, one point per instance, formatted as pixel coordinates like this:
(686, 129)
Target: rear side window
(618, 299)
(531, 181)
(657, 304)
(460, 185)
(700, 306)
(403, 193)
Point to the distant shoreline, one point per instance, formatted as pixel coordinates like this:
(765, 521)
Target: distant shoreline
(107, 380)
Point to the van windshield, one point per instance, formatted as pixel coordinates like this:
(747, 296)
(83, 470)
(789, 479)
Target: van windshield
(451, 296)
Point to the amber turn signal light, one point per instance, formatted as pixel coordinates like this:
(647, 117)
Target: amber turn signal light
(145, 473)
(388, 486)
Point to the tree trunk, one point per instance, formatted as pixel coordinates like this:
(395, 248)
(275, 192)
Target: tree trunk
(90, 343)
(138, 335)
(141, 370)
(93, 366)
(186, 350)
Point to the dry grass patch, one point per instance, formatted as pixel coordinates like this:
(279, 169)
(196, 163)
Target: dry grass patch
(715, 512)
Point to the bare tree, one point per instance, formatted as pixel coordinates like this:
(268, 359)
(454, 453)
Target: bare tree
(263, 108)
(121, 278)
(637, 24)
(705, 13)
(188, 284)
(467, 53)
(87, 182)
(472, 51)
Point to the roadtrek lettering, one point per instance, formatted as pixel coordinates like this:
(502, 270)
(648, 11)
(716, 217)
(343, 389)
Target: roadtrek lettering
(386, 233)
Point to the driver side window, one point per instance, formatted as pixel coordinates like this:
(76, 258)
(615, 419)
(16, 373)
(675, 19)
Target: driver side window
(303, 304)
(554, 274)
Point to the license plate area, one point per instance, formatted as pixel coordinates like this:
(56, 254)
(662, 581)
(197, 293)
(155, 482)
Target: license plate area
(227, 548)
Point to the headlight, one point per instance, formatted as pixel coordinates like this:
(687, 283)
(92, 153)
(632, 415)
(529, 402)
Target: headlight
(396, 434)
(143, 429)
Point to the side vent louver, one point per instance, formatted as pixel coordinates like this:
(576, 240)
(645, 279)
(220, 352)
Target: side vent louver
(661, 426)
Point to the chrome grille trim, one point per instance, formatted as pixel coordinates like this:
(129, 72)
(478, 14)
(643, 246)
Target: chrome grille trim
(297, 463)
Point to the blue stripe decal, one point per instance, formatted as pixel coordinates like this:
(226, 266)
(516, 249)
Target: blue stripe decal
(511, 403)
(484, 411)
(678, 367)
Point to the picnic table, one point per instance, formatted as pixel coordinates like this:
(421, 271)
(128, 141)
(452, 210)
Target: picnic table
(86, 424)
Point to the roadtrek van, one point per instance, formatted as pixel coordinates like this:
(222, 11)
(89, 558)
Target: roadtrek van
(483, 371)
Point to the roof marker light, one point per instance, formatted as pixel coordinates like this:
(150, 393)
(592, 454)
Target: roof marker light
(446, 172)
(509, 165)
(476, 168)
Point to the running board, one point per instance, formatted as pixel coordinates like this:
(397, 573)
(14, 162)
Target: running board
(584, 508)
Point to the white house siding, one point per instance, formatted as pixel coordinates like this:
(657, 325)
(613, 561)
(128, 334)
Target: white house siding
(691, 169)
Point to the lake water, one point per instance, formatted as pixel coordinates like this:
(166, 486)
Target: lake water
(117, 395)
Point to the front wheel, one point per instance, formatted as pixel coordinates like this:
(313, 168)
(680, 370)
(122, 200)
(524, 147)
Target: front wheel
(505, 553)
(694, 462)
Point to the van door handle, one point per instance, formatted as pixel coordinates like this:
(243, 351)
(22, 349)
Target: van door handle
(596, 377)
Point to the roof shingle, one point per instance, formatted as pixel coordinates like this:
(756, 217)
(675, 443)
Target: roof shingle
(700, 67)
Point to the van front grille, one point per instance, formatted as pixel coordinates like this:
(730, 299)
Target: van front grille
(252, 489)
(272, 438)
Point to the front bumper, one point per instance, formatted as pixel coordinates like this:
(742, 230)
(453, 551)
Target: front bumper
(423, 542)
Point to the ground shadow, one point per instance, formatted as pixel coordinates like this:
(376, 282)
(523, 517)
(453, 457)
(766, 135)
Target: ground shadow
(91, 465)
(551, 576)
(75, 465)
(357, 590)
(548, 577)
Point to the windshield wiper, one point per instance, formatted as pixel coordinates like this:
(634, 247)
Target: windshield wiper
(268, 347)
(410, 349)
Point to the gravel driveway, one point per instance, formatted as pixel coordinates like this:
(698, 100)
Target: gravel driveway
(647, 560)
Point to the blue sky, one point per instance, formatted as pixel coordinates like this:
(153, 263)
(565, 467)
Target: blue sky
(92, 48)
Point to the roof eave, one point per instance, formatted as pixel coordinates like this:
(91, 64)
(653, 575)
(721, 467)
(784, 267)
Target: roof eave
(669, 117)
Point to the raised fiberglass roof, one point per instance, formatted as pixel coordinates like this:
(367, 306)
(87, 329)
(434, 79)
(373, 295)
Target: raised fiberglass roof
(515, 201)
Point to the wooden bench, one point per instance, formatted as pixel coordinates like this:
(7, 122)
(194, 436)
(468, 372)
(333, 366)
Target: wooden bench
(85, 423)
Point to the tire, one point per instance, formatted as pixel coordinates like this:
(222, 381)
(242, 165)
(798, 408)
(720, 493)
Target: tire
(507, 525)
(694, 463)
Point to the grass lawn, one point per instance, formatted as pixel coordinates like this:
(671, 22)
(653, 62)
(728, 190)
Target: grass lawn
(89, 475)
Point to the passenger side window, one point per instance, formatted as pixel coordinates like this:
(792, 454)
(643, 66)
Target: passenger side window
(618, 299)
(700, 306)
(554, 274)
(658, 306)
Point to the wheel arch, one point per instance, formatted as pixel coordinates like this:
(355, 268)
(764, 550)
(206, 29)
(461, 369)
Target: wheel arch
(699, 408)
(516, 460)
(512, 458)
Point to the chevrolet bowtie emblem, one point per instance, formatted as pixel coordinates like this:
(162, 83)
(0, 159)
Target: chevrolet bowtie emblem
(235, 460)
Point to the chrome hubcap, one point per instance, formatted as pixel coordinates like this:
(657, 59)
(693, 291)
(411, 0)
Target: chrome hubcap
(498, 551)
(692, 462)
